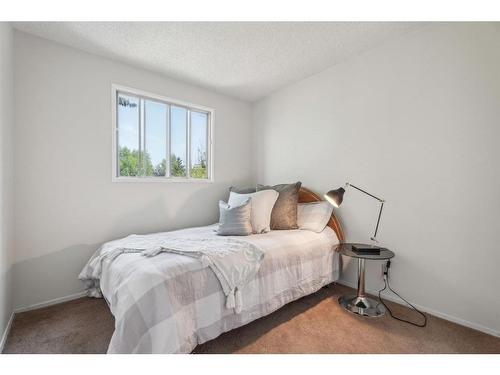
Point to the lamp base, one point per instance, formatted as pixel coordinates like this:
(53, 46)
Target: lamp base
(362, 306)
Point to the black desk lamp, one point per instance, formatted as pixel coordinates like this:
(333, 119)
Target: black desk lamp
(335, 197)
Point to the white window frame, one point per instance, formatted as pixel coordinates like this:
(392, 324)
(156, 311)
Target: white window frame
(115, 89)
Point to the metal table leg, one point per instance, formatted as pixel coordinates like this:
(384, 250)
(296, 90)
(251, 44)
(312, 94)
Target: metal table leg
(360, 304)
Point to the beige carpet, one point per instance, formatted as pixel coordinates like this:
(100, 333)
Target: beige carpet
(313, 324)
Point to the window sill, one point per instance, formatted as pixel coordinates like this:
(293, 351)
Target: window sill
(162, 180)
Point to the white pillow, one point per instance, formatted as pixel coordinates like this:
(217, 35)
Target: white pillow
(262, 204)
(314, 216)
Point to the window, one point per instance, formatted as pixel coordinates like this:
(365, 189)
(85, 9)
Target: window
(160, 139)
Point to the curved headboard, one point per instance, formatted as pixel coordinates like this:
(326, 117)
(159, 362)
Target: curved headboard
(307, 196)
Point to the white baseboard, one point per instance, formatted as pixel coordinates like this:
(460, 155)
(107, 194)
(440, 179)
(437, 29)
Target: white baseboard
(439, 314)
(51, 302)
(6, 332)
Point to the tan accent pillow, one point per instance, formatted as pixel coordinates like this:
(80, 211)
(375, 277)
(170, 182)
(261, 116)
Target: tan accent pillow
(284, 214)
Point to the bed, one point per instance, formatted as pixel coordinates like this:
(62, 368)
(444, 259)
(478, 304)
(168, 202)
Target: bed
(170, 303)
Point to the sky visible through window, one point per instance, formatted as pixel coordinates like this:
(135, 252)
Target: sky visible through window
(198, 137)
(128, 120)
(156, 131)
(178, 132)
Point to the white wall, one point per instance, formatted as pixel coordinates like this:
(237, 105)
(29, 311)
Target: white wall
(416, 121)
(6, 173)
(66, 204)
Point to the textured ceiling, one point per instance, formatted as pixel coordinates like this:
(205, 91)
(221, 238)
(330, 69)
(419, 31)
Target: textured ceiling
(247, 60)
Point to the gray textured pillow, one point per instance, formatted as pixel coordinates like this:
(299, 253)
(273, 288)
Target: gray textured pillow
(240, 190)
(235, 221)
(284, 214)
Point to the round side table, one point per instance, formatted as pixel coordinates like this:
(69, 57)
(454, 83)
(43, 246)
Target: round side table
(359, 303)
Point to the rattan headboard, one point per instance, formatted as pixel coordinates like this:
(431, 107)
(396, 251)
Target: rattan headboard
(307, 196)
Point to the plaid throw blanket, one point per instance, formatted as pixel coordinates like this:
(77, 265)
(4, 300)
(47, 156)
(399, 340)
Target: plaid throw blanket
(233, 261)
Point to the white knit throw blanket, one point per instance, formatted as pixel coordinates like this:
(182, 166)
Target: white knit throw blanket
(234, 261)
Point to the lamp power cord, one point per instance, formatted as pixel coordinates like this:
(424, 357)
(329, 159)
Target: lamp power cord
(387, 286)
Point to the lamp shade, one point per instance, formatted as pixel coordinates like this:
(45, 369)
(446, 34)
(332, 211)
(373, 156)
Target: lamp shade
(335, 197)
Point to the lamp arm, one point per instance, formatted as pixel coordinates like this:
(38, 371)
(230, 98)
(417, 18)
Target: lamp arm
(363, 191)
(374, 238)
